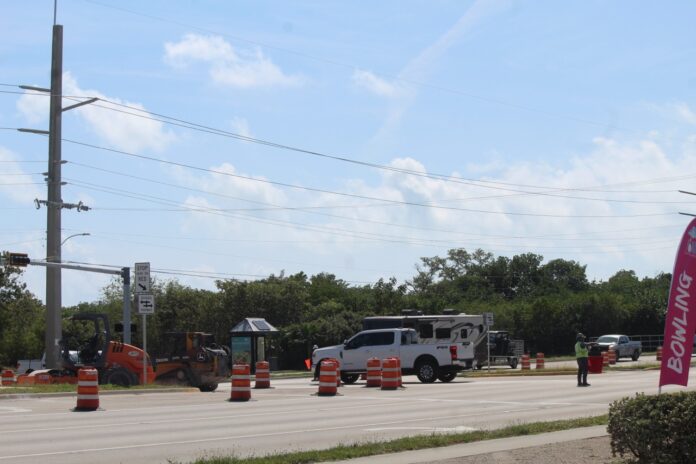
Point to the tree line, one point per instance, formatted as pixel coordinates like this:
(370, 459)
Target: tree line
(545, 304)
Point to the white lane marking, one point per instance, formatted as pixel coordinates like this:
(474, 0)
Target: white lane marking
(191, 419)
(234, 437)
(9, 409)
(411, 399)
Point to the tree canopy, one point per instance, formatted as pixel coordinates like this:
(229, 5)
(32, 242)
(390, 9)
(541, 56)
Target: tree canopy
(545, 304)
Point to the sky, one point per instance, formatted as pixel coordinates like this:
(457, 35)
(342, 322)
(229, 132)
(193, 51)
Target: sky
(234, 140)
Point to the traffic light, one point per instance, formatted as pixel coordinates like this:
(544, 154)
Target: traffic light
(18, 259)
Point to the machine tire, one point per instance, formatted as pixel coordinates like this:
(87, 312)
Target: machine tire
(208, 387)
(426, 370)
(119, 376)
(512, 362)
(349, 379)
(447, 376)
(635, 355)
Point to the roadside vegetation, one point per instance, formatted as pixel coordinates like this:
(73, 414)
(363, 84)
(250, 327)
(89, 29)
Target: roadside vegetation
(68, 388)
(654, 429)
(358, 450)
(543, 303)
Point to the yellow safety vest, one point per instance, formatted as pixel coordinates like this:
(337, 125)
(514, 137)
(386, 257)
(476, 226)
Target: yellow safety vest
(580, 351)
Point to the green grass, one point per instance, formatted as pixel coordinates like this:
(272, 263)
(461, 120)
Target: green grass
(67, 388)
(408, 443)
(519, 372)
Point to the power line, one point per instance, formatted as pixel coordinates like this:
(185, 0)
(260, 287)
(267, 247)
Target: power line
(351, 195)
(465, 181)
(272, 207)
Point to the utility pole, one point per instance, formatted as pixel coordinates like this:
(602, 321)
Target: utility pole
(54, 201)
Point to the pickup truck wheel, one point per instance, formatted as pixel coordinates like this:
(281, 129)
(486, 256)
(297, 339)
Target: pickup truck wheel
(447, 376)
(426, 371)
(349, 379)
(513, 362)
(635, 355)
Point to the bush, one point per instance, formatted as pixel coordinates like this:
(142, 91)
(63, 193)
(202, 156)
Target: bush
(654, 429)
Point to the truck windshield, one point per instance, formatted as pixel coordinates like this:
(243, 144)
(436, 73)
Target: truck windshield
(607, 339)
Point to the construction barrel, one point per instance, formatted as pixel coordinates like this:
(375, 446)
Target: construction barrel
(241, 383)
(658, 353)
(612, 357)
(605, 359)
(8, 378)
(87, 390)
(540, 360)
(525, 362)
(328, 372)
(374, 372)
(263, 375)
(391, 374)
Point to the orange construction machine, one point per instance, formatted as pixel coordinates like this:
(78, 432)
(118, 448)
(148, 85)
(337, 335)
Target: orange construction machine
(193, 358)
(87, 343)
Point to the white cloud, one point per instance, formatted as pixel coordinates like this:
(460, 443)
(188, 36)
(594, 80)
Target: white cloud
(15, 181)
(685, 113)
(123, 129)
(377, 85)
(227, 66)
(240, 126)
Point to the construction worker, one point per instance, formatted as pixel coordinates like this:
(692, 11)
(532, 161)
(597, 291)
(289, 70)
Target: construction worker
(581, 353)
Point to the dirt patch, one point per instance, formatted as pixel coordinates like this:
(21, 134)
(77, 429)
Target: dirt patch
(590, 450)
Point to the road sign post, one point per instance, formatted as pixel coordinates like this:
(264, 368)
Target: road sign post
(146, 304)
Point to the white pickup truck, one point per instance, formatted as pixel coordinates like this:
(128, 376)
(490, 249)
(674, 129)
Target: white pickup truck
(427, 361)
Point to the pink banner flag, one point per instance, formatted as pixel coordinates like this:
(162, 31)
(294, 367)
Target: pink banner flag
(680, 320)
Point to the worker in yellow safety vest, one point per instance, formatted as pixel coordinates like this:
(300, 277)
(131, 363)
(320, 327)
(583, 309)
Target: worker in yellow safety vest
(581, 353)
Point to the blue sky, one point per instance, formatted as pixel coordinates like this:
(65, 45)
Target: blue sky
(559, 128)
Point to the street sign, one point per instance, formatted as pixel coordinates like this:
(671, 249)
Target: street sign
(146, 303)
(142, 278)
(488, 319)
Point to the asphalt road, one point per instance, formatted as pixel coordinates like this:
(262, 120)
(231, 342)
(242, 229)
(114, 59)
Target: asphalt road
(154, 427)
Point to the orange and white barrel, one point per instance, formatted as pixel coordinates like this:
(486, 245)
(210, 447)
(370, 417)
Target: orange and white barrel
(612, 357)
(540, 360)
(338, 372)
(658, 353)
(87, 390)
(8, 378)
(398, 371)
(328, 372)
(374, 372)
(391, 374)
(241, 383)
(525, 362)
(263, 375)
(605, 359)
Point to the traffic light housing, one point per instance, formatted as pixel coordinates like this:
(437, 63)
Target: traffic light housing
(18, 259)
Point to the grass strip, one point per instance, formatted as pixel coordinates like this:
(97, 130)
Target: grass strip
(519, 372)
(418, 442)
(67, 388)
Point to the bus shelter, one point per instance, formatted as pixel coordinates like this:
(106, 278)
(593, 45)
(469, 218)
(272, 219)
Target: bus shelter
(248, 341)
